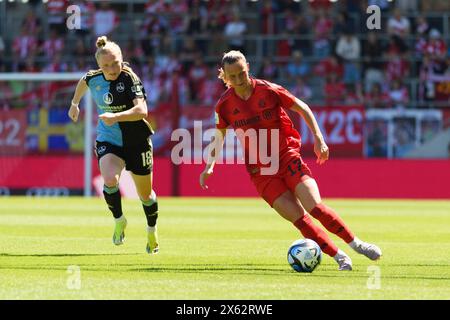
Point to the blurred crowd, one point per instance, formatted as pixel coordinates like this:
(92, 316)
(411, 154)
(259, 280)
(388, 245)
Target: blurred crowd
(320, 50)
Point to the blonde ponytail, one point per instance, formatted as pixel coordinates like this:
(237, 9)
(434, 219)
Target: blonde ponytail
(106, 46)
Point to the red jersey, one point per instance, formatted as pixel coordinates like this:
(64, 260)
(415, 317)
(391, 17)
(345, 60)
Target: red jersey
(264, 109)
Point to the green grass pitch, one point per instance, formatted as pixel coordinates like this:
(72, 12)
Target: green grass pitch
(215, 248)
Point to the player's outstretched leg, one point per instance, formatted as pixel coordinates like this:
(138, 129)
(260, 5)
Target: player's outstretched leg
(114, 201)
(371, 251)
(311, 231)
(151, 213)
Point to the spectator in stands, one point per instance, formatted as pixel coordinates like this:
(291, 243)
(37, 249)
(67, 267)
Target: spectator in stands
(135, 55)
(422, 29)
(397, 67)
(52, 46)
(297, 67)
(334, 90)
(268, 70)
(153, 27)
(105, 20)
(342, 24)
(321, 6)
(234, 31)
(56, 64)
(300, 89)
(56, 15)
(32, 23)
(267, 25)
(436, 49)
(211, 90)
(332, 64)
(217, 44)
(284, 47)
(353, 94)
(176, 81)
(168, 64)
(323, 27)
(176, 11)
(372, 61)
(152, 82)
(376, 98)
(188, 53)
(195, 24)
(349, 49)
(302, 28)
(25, 45)
(399, 28)
(30, 65)
(398, 95)
(197, 75)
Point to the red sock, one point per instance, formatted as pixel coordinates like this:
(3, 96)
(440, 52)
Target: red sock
(311, 231)
(332, 222)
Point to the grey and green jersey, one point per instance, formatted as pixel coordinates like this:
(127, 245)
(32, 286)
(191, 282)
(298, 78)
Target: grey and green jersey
(116, 96)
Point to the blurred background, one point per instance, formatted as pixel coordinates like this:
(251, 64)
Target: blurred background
(381, 96)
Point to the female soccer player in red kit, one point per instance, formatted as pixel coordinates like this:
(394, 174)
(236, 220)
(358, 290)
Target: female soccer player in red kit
(254, 104)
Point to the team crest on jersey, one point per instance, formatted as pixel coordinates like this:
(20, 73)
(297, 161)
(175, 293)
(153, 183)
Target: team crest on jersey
(108, 98)
(120, 87)
(267, 114)
(262, 103)
(101, 150)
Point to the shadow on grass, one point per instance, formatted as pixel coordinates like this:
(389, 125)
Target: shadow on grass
(324, 270)
(66, 254)
(255, 269)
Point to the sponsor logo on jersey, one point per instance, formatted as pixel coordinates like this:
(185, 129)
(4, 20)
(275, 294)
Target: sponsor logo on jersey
(247, 122)
(108, 98)
(120, 87)
(137, 88)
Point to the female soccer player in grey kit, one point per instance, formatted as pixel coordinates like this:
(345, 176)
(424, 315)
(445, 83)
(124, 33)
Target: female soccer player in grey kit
(123, 135)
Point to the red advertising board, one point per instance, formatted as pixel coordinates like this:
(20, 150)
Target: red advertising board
(342, 127)
(13, 125)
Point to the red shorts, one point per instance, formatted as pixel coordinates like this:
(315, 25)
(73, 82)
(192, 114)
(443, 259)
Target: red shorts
(292, 170)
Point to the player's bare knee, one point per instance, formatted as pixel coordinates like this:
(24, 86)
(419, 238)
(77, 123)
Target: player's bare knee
(111, 181)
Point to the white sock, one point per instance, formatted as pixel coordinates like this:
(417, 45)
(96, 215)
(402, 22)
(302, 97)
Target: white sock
(339, 254)
(151, 229)
(118, 220)
(355, 243)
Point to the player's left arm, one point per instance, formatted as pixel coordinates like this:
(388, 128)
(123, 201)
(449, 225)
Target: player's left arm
(320, 147)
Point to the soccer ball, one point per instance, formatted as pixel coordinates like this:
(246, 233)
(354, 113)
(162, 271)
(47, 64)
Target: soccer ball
(304, 255)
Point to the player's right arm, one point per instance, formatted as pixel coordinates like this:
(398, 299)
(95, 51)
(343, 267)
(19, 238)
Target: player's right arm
(80, 90)
(213, 153)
